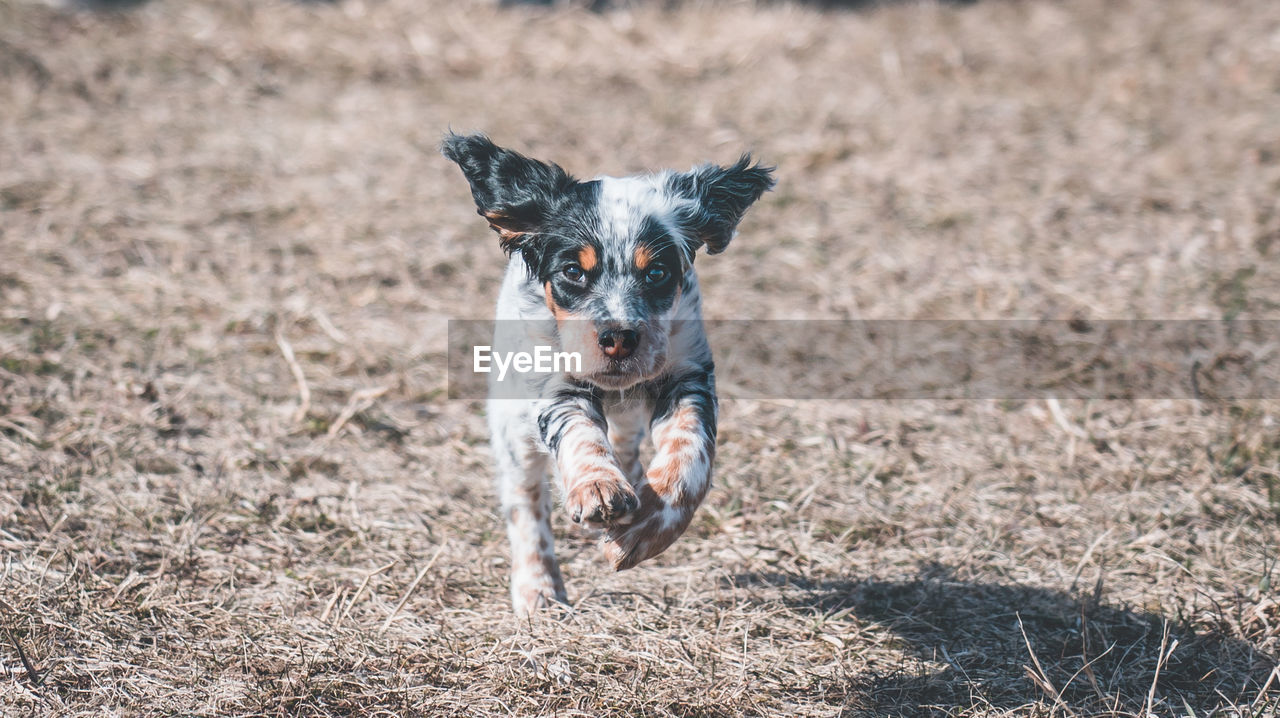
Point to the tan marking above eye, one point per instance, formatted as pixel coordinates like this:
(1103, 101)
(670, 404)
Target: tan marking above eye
(587, 258)
(643, 257)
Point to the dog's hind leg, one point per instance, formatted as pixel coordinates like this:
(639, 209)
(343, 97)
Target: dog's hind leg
(526, 506)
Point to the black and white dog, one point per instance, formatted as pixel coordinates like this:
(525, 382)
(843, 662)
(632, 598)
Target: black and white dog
(603, 268)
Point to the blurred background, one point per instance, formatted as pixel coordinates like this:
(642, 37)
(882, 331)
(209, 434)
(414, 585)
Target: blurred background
(229, 249)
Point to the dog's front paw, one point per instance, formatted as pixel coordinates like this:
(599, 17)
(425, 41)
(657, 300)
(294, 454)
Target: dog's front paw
(654, 527)
(602, 499)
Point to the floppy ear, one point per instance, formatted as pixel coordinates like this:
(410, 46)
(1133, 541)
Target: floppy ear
(721, 195)
(515, 193)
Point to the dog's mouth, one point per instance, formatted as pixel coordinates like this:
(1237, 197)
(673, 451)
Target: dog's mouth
(614, 381)
(624, 374)
(618, 376)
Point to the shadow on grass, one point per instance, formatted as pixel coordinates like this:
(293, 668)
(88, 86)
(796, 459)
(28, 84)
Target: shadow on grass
(1093, 659)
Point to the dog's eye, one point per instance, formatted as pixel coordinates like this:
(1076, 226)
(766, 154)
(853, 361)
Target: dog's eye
(656, 276)
(574, 273)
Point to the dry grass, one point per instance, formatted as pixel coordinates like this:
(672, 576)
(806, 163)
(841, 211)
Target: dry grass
(188, 188)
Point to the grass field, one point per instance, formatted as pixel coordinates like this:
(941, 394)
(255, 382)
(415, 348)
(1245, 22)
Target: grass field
(201, 202)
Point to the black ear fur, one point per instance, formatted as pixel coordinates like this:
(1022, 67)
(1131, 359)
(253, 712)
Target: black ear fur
(723, 195)
(513, 192)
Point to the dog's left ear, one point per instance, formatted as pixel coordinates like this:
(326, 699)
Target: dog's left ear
(515, 193)
(721, 195)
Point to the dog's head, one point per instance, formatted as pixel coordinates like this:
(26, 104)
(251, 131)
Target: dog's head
(612, 255)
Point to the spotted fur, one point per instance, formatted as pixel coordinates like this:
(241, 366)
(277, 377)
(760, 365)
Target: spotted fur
(603, 267)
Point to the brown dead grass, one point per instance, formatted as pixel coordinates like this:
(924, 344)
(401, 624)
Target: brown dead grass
(187, 188)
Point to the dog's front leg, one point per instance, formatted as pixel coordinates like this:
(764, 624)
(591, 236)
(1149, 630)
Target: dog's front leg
(684, 437)
(595, 490)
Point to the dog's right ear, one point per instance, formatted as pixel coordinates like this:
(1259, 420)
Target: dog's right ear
(515, 193)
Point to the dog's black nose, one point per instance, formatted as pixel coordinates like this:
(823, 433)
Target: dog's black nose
(618, 343)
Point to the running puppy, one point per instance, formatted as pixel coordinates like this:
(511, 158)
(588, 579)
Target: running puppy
(603, 268)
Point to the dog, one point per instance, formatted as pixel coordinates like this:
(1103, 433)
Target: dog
(603, 268)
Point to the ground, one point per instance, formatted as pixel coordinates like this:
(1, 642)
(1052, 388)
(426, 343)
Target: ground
(232, 481)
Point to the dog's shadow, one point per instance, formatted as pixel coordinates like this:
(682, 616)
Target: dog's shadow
(1090, 658)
